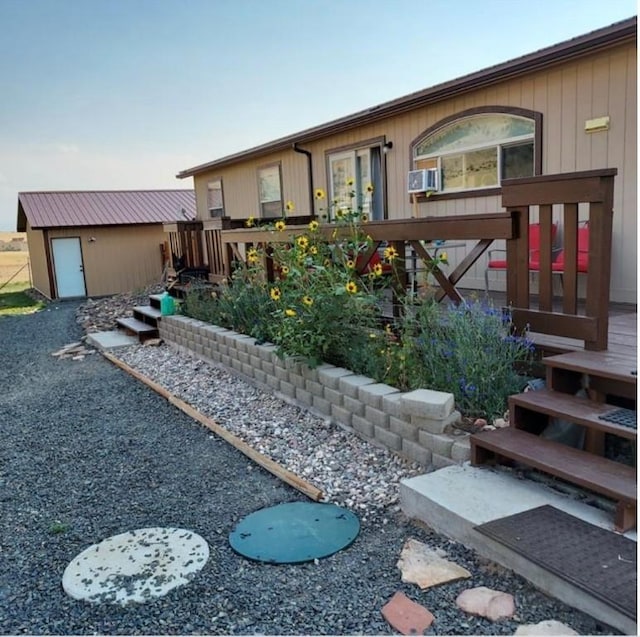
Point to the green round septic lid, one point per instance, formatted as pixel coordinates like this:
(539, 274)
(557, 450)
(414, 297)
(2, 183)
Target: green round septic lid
(294, 532)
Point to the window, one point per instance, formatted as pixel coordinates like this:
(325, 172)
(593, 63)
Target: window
(479, 151)
(215, 201)
(270, 191)
(352, 174)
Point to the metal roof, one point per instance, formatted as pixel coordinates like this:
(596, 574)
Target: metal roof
(104, 207)
(625, 30)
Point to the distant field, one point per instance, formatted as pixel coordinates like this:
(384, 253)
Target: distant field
(11, 262)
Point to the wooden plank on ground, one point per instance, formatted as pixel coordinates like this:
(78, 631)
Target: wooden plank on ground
(264, 461)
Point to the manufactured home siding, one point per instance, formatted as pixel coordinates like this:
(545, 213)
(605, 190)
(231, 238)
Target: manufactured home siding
(38, 261)
(567, 95)
(121, 259)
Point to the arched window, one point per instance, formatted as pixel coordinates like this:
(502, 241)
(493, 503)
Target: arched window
(477, 150)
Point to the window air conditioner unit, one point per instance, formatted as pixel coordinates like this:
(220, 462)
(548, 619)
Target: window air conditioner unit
(425, 180)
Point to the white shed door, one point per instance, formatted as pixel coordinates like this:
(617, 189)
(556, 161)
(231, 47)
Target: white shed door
(67, 263)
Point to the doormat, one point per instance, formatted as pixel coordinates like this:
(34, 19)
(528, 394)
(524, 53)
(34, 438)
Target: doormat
(294, 532)
(597, 561)
(623, 417)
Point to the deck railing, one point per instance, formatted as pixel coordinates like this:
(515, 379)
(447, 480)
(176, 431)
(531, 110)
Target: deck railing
(568, 199)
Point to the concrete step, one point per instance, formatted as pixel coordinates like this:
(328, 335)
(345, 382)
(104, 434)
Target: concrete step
(147, 314)
(453, 500)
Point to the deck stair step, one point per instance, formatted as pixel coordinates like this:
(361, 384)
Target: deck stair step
(576, 409)
(155, 300)
(147, 314)
(596, 473)
(141, 329)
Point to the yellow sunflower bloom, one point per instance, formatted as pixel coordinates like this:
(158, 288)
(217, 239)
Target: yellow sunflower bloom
(302, 241)
(284, 270)
(313, 250)
(290, 312)
(377, 269)
(280, 226)
(275, 294)
(364, 217)
(350, 264)
(307, 300)
(319, 193)
(250, 222)
(252, 256)
(351, 287)
(351, 181)
(313, 225)
(370, 188)
(290, 206)
(339, 213)
(390, 253)
(443, 258)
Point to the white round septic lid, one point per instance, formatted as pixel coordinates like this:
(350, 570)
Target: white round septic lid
(135, 566)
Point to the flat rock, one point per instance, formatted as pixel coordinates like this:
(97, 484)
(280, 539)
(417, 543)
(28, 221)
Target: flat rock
(483, 601)
(546, 627)
(406, 616)
(425, 567)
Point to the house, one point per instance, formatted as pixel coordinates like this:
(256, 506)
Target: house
(571, 107)
(100, 242)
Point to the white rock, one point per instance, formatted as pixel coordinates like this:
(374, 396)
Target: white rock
(426, 567)
(483, 601)
(546, 627)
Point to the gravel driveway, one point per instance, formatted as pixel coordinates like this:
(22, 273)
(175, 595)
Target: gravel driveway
(87, 452)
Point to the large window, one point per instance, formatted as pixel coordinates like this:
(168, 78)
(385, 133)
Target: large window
(215, 200)
(355, 181)
(478, 151)
(270, 191)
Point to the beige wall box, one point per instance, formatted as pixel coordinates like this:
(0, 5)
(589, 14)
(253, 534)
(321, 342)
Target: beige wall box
(597, 124)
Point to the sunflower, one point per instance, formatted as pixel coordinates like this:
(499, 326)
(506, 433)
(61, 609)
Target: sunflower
(290, 206)
(290, 312)
(351, 287)
(284, 270)
(364, 217)
(252, 256)
(351, 181)
(275, 294)
(313, 225)
(313, 250)
(350, 264)
(370, 188)
(307, 300)
(443, 258)
(390, 253)
(250, 222)
(303, 242)
(339, 213)
(280, 225)
(377, 269)
(319, 193)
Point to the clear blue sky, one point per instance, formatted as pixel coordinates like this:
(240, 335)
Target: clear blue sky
(106, 94)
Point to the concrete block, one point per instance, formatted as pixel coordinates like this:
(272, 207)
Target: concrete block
(333, 396)
(267, 351)
(438, 443)
(461, 449)
(268, 368)
(403, 428)
(388, 438)
(349, 385)
(225, 360)
(274, 383)
(311, 373)
(259, 376)
(416, 452)
(439, 462)
(223, 349)
(362, 426)
(304, 396)
(372, 394)
(317, 389)
(428, 403)
(341, 414)
(433, 425)
(293, 364)
(282, 374)
(377, 417)
(322, 405)
(331, 377)
(286, 388)
(353, 405)
(297, 380)
(244, 358)
(236, 364)
(229, 338)
(256, 361)
(247, 369)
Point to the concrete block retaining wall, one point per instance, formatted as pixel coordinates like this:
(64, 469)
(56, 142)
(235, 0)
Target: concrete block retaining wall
(411, 424)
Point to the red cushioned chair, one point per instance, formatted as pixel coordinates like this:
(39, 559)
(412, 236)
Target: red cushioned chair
(373, 260)
(534, 253)
(583, 252)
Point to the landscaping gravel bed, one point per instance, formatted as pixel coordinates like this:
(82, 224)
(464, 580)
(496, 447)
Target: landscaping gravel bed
(87, 452)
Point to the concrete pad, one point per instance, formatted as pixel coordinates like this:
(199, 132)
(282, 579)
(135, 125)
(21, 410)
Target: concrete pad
(453, 500)
(111, 339)
(136, 566)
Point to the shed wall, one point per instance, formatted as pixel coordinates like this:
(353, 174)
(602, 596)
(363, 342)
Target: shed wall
(38, 261)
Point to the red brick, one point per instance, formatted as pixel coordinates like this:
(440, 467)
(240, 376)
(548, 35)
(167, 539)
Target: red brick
(405, 616)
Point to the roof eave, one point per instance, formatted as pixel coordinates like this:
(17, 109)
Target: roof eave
(577, 47)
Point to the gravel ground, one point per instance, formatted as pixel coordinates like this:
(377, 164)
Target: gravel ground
(87, 452)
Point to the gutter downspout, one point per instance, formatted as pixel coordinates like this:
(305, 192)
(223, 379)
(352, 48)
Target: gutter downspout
(303, 151)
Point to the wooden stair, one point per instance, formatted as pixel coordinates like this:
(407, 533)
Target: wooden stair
(608, 378)
(144, 323)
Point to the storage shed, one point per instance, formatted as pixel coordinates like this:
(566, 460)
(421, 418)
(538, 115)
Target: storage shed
(97, 243)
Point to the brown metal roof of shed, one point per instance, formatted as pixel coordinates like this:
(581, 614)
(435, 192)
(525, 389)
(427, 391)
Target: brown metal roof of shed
(104, 208)
(625, 30)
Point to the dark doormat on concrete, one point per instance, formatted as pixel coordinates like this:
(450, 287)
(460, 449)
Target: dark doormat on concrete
(600, 562)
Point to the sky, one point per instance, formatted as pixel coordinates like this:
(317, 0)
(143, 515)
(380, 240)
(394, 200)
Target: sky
(124, 94)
